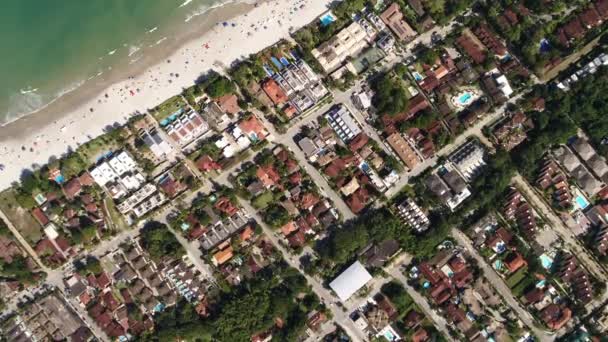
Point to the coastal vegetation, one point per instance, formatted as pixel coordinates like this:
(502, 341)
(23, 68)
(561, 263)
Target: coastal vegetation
(168, 107)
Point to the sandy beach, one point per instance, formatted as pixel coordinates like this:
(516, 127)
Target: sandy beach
(83, 114)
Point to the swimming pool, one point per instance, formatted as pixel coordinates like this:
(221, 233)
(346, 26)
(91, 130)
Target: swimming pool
(546, 261)
(389, 335)
(327, 19)
(417, 76)
(465, 98)
(581, 202)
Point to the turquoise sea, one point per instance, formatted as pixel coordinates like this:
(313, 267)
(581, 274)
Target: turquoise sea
(52, 47)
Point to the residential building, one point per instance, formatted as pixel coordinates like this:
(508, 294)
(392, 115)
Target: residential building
(413, 215)
(346, 43)
(404, 150)
(468, 159)
(393, 18)
(253, 128)
(274, 92)
(159, 147)
(343, 123)
(449, 187)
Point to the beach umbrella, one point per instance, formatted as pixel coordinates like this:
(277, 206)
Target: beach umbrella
(225, 24)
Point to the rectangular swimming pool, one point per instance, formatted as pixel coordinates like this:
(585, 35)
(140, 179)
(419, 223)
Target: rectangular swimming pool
(581, 202)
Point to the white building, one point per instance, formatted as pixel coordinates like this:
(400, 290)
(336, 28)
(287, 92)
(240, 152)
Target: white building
(113, 168)
(411, 213)
(159, 147)
(468, 159)
(136, 198)
(350, 281)
(362, 100)
(501, 82)
(346, 43)
(343, 123)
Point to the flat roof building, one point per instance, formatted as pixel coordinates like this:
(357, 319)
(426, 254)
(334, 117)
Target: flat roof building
(350, 281)
(343, 123)
(159, 147)
(411, 213)
(346, 43)
(403, 150)
(469, 159)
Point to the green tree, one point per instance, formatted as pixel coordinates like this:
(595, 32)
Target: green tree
(390, 97)
(160, 242)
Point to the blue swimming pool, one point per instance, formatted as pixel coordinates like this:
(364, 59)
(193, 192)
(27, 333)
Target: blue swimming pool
(327, 19)
(417, 76)
(465, 98)
(389, 335)
(546, 261)
(581, 202)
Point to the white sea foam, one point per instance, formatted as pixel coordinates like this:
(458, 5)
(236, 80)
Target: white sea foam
(28, 90)
(133, 49)
(202, 9)
(28, 102)
(185, 3)
(159, 41)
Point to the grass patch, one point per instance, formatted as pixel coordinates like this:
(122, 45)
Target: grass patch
(517, 277)
(519, 289)
(263, 200)
(20, 217)
(168, 107)
(119, 222)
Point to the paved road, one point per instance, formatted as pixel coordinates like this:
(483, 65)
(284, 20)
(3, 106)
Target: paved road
(560, 228)
(421, 301)
(473, 131)
(340, 316)
(500, 286)
(320, 181)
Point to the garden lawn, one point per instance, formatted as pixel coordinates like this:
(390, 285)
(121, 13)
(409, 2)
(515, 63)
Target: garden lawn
(20, 217)
(263, 200)
(168, 107)
(517, 277)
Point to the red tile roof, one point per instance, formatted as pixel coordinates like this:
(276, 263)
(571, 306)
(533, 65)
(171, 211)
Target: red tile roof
(514, 262)
(308, 201)
(225, 206)
(268, 175)
(72, 188)
(251, 126)
(298, 239)
(229, 103)
(490, 40)
(590, 17)
(357, 201)
(274, 91)
(103, 280)
(358, 142)
(85, 179)
(289, 228)
(40, 216)
(474, 50)
(205, 164)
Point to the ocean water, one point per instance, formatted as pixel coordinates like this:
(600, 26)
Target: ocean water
(52, 47)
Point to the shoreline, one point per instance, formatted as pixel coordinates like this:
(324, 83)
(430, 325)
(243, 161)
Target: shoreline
(79, 116)
(174, 39)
